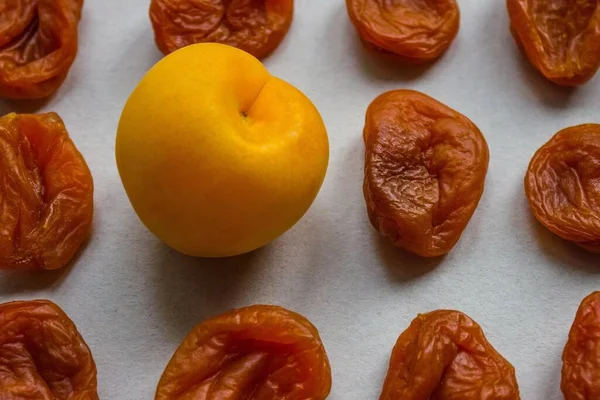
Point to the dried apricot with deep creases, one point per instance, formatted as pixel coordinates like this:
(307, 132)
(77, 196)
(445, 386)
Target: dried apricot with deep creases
(563, 185)
(254, 353)
(416, 30)
(255, 26)
(38, 43)
(47, 193)
(444, 355)
(425, 168)
(581, 359)
(561, 38)
(42, 355)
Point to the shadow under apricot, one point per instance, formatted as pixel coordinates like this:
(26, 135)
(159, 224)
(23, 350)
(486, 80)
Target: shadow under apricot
(546, 91)
(193, 289)
(378, 63)
(571, 255)
(8, 106)
(21, 282)
(386, 66)
(400, 264)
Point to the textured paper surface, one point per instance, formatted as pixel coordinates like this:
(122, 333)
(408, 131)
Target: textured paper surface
(134, 300)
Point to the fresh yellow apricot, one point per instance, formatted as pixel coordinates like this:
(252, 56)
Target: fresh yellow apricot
(217, 156)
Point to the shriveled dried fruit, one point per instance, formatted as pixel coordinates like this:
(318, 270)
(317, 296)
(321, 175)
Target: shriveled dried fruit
(47, 193)
(42, 356)
(416, 30)
(255, 26)
(562, 185)
(561, 38)
(254, 353)
(38, 43)
(581, 359)
(444, 355)
(425, 168)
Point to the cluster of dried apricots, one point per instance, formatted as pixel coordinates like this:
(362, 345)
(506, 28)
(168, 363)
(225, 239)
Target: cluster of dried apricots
(267, 352)
(425, 168)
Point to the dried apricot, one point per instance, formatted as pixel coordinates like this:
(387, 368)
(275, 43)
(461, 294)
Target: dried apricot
(561, 38)
(581, 359)
(47, 193)
(255, 26)
(416, 30)
(254, 353)
(425, 168)
(42, 355)
(563, 185)
(444, 355)
(38, 44)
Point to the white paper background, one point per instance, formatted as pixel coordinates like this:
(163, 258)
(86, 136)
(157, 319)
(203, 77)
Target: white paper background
(134, 300)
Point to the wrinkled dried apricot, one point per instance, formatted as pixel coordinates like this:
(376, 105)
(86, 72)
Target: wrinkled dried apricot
(38, 44)
(425, 168)
(444, 355)
(563, 185)
(42, 355)
(47, 193)
(561, 38)
(255, 26)
(254, 353)
(581, 359)
(416, 30)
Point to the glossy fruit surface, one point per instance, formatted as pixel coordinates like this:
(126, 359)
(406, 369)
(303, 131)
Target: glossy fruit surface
(562, 185)
(38, 44)
(254, 353)
(444, 355)
(255, 26)
(416, 30)
(425, 168)
(561, 38)
(581, 360)
(47, 193)
(223, 161)
(42, 355)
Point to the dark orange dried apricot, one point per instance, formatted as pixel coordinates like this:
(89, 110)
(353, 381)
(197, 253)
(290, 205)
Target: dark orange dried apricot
(42, 355)
(563, 185)
(425, 168)
(561, 38)
(38, 44)
(47, 193)
(255, 26)
(444, 355)
(581, 359)
(416, 30)
(254, 353)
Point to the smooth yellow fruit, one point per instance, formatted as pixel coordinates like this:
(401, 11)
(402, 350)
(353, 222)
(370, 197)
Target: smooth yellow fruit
(217, 156)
